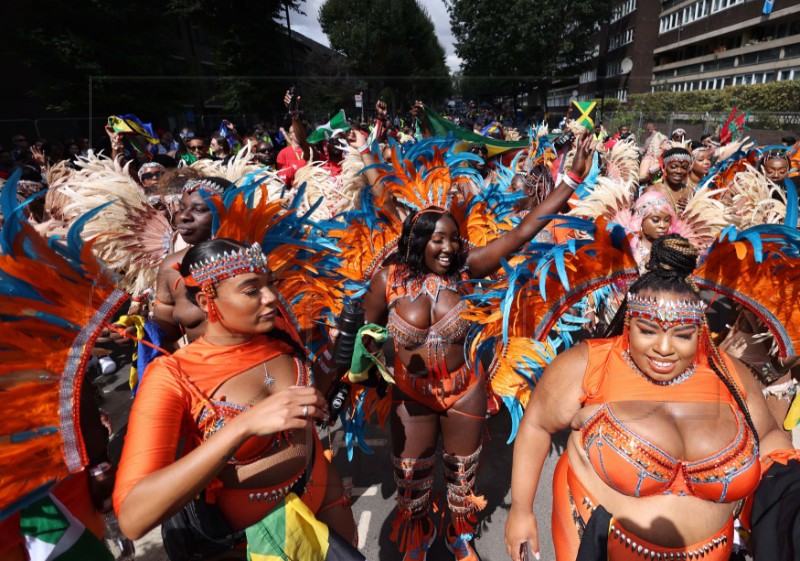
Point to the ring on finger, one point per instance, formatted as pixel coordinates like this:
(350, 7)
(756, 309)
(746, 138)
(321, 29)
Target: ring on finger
(305, 410)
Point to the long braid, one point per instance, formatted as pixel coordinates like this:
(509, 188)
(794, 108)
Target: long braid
(672, 260)
(718, 366)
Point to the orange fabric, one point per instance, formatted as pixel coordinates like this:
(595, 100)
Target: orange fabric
(635, 467)
(566, 539)
(163, 420)
(437, 395)
(605, 357)
(240, 512)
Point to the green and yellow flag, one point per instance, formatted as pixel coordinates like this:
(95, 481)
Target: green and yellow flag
(586, 108)
(291, 532)
(443, 128)
(131, 124)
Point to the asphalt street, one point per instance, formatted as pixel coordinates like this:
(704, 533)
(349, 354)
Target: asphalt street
(373, 486)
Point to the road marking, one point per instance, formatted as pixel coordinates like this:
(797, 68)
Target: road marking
(370, 491)
(363, 527)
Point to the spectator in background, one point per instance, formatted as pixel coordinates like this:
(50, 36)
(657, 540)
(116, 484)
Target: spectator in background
(679, 135)
(196, 149)
(788, 141)
(220, 148)
(21, 145)
(149, 176)
(83, 144)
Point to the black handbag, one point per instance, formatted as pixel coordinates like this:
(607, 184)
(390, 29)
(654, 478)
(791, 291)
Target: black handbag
(198, 531)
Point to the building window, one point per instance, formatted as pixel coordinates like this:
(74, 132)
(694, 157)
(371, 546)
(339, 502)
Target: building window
(719, 5)
(695, 11)
(670, 22)
(621, 39)
(588, 76)
(622, 95)
(623, 10)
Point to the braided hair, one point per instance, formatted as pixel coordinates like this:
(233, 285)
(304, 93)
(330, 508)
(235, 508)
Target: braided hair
(672, 261)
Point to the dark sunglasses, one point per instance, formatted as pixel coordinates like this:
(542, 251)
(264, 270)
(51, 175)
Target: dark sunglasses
(151, 175)
(264, 151)
(196, 148)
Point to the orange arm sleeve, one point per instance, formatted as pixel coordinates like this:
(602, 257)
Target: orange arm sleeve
(159, 419)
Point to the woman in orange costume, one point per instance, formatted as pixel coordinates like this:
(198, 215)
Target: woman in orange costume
(419, 299)
(242, 398)
(656, 411)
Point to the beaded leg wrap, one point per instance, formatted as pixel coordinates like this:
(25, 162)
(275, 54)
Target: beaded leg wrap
(460, 473)
(414, 479)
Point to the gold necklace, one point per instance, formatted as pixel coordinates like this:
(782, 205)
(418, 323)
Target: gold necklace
(680, 193)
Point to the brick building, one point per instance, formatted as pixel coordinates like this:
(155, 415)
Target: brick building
(710, 44)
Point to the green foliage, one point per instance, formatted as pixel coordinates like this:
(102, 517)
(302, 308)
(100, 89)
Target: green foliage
(772, 97)
(392, 43)
(235, 45)
(519, 45)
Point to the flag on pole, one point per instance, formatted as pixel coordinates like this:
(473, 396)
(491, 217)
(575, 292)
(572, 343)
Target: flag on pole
(51, 533)
(130, 124)
(335, 125)
(586, 108)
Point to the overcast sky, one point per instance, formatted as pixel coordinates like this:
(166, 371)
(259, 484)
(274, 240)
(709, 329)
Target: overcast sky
(309, 26)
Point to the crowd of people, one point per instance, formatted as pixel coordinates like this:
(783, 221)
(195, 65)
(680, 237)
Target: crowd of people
(641, 296)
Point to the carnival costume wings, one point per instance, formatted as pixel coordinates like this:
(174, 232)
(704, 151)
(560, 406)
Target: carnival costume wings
(54, 299)
(131, 236)
(300, 256)
(758, 268)
(429, 173)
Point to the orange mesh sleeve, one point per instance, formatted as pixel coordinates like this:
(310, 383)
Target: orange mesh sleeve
(159, 418)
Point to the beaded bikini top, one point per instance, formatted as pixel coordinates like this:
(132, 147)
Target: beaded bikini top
(630, 464)
(451, 328)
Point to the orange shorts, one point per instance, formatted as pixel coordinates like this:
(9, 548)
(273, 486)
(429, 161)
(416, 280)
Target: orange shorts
(437, 395)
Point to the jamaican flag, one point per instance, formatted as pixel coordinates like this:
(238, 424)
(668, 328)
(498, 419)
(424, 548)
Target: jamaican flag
(131, 124)
(443, 128)
(291, 532)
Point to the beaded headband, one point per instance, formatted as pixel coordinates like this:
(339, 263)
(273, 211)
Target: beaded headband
(676, 155)
(203, 184)
(667, 313)
(644, 208)
(26, 187)
(150, 165)
(226, 265)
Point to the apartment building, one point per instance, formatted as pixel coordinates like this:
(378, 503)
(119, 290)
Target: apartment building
(622, 61)
(711, 44)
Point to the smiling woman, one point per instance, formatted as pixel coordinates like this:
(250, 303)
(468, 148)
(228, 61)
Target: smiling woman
(656, 411)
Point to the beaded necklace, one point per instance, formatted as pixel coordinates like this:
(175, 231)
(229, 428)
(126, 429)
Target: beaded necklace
(682, 377)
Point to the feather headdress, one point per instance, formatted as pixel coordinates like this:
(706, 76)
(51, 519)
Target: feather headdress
(131, 236)
(54, 300)
(300, 256)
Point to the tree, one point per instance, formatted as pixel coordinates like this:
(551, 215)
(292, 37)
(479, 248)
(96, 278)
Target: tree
(392, 43)
(524, 45)
(160, 47)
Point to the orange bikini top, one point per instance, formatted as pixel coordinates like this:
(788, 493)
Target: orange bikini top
(630, 464)
(217, 413)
